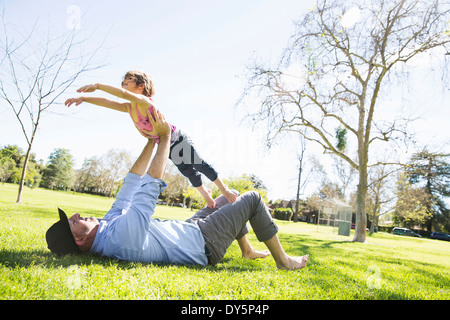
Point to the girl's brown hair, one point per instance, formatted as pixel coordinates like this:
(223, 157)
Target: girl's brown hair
(142, 78)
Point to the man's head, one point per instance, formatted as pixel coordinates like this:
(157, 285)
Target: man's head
(141, 80)
(73, 235)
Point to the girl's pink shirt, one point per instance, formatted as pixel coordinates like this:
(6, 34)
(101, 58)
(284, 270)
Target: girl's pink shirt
(143, 123)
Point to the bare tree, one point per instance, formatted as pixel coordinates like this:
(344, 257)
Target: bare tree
(85, 180)
(380, 192)
(334, 70)
(34, 74)
(115, 165)
(177, 184)
(300, 184)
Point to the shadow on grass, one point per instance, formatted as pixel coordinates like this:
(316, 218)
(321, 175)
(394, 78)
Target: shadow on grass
(46, 259)
(28, 258)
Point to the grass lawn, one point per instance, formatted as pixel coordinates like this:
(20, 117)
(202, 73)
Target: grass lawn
(388, 267)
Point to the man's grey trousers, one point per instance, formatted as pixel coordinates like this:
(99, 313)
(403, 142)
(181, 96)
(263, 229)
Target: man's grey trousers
(220, 227)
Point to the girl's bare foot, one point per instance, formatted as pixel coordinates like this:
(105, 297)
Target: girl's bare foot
(211, 202)
(206, 193)
(231, 197)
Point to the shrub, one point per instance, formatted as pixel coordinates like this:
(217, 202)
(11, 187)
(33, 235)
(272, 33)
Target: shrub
(282, 214)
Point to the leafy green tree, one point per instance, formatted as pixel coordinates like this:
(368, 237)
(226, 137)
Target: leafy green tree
(431, 171)
(243, 184)
(12, 152)
(7, 167)
(413, 204)
(11, 163)
(85, 180)
(193, 198)
(177, 184)
(59, 172)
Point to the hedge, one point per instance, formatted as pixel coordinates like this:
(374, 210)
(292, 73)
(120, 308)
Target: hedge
(282, 214)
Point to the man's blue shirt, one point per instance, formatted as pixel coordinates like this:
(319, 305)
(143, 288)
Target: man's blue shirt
(128, 231)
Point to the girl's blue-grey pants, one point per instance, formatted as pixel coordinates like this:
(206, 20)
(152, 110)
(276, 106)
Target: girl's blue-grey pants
(188, 161)
(220, 227)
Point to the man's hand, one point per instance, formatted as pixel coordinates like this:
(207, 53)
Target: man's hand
(88, 88)
(160, 126)
(146, 134)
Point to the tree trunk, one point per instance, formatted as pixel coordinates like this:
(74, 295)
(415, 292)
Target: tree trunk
(375, 214)
(24, 172)
(25, 164)
(295, 218)
(361, 218)
(429, 222)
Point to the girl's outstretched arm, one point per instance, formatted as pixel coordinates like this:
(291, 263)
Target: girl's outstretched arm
(118, 92)
(123, 107)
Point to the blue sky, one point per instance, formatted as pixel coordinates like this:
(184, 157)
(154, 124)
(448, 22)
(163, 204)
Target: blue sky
(196, 52)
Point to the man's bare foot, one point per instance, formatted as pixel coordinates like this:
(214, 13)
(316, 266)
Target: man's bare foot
(293, 263)
(255, 254)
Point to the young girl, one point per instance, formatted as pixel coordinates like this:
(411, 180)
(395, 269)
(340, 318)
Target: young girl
(138, 88)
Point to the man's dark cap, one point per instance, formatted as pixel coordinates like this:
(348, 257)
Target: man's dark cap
(59, 237)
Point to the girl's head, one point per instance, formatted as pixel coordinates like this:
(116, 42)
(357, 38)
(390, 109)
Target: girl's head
(142, 79)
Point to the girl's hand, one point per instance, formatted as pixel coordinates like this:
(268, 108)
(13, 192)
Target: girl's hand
(77, 101)
(88, 88)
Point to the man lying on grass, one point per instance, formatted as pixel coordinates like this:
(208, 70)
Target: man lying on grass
(128, 231)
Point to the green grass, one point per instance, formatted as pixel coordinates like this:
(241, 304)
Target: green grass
(388, 267)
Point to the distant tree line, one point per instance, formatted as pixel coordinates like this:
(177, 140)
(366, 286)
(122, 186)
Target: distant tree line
(97, 175)
(11, 164)
(413, 195)
(103, 176)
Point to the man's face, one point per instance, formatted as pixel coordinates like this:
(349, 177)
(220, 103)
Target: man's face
(81, 227)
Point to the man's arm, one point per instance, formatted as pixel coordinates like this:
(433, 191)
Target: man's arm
(158, 165)
(145, 196)
(142, 162)
(162, 128)
(132, 182)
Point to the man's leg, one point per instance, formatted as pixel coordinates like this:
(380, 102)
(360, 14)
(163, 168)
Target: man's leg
(249, 252)
(219, 227)
(281, 258)
(223, 226)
